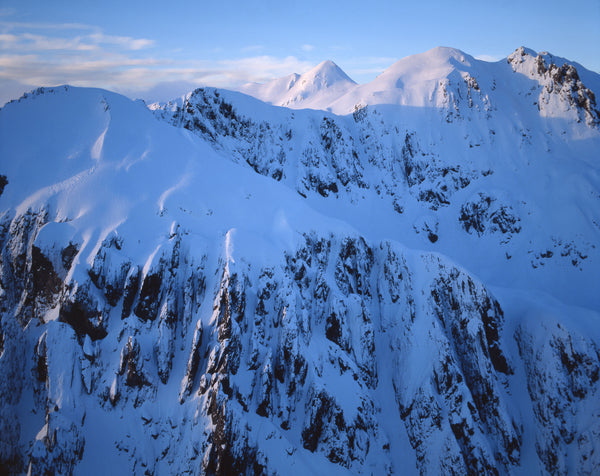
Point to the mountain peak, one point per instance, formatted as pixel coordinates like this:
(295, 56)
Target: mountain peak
(327, 65)
(431, 62)
(328, 73)
(418, 70)
(446, 52)
(519, 55)
(523, 50)
(312, 89)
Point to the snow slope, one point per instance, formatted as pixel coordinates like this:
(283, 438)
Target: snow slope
(497, 168)
(220, 285)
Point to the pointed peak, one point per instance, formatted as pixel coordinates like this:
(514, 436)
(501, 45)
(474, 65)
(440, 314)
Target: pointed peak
(522, 59)
(327, 64)
(523, 51)
(327, 71)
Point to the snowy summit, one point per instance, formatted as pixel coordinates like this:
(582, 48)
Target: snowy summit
(311, 90)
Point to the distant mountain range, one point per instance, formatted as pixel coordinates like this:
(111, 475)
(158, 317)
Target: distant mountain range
(417, 80)
(307, 276)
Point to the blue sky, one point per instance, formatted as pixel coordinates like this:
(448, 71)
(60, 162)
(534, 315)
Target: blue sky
(158, 50)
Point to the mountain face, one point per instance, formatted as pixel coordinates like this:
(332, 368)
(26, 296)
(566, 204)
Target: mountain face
(400, 278)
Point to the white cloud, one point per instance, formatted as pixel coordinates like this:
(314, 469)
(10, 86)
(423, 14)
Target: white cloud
(11, 25)
(43, 54)
(133, 75)
(29, 42)
(121, 41)
(7, 39)
(261, 68)
(307, 47)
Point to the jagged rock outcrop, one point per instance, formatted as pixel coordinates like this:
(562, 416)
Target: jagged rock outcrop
(483, 214)
(303, 347)
(560, 87)
(277, 345)
(566, 383)
(332, 151)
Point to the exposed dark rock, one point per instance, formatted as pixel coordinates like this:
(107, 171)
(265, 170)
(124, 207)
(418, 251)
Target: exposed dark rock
(129, 365)
(320, 409)
(41, 368)
(567, 381)
(132, 283)
(192, 365)
(83, 317)
(150, 296)
(332, 329)
(46, 284)
(229, 451)
(482, 214)
(3, 183)
(50, 454)
(68, 254)
(354, 266)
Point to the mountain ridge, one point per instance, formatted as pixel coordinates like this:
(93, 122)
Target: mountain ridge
(435, 64)
(226, 286)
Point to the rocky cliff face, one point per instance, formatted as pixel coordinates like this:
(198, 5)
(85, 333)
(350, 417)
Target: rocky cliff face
(338, 351)
(277, 344)
(320, 153)
(560, 87)
(567, 383)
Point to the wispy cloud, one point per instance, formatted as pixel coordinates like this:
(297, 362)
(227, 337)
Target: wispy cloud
(262, 68)
(82, 55)
(24, 41)
(45, 54)
(119, 70)
(28, 43)
(12, 25)
(120, 41)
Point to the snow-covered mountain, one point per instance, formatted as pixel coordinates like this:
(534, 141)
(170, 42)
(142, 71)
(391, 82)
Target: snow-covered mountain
(397, 277)
(311, 90)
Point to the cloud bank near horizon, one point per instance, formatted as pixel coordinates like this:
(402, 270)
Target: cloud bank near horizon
(42, 54)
